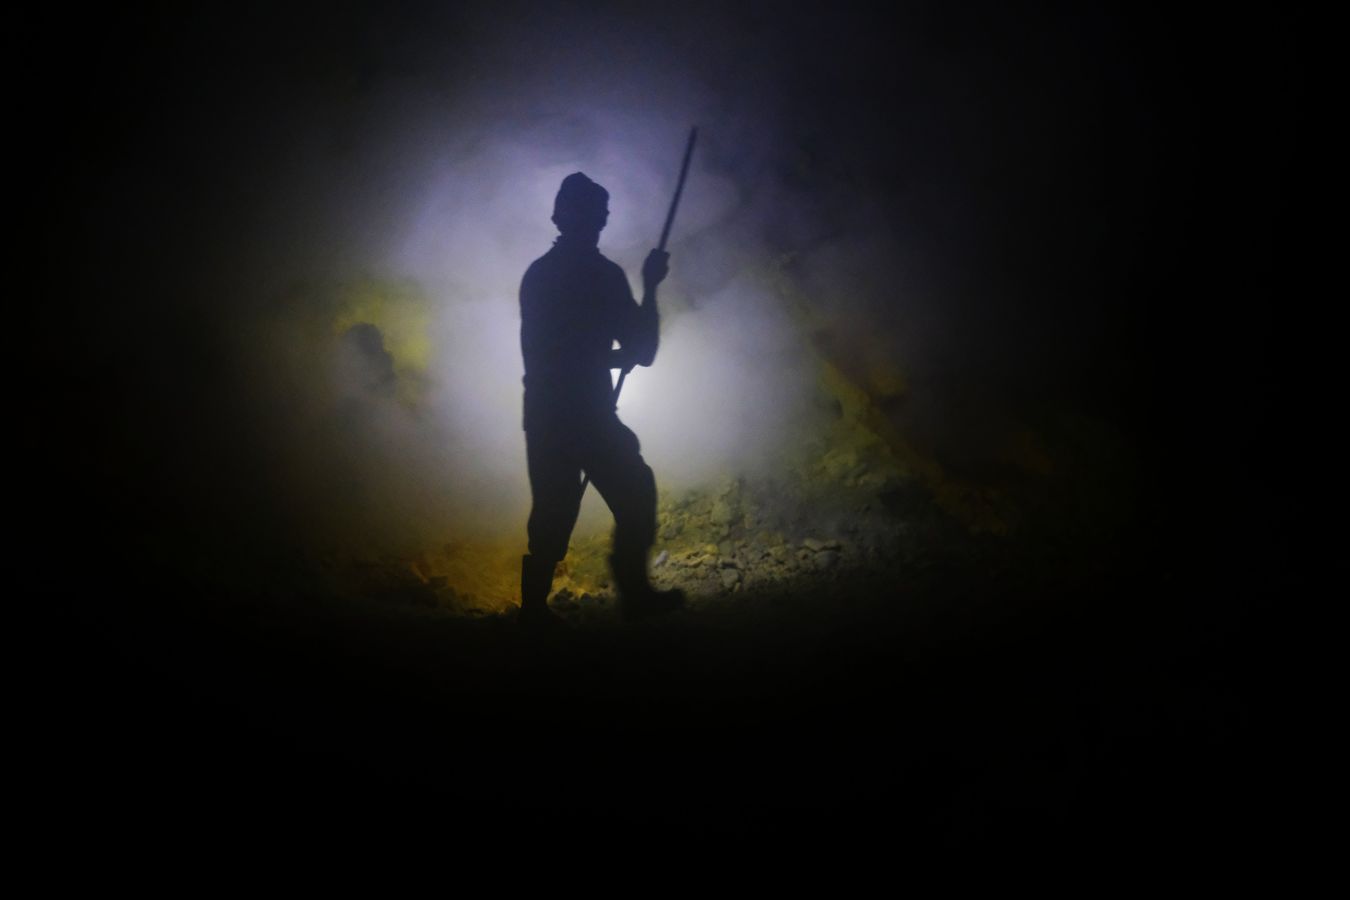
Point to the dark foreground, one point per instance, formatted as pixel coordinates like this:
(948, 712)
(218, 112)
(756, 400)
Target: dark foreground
(964, 705)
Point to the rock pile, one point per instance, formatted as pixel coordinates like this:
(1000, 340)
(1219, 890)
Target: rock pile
(824, 518)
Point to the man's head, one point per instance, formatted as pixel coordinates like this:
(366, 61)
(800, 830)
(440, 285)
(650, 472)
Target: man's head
(581, 208)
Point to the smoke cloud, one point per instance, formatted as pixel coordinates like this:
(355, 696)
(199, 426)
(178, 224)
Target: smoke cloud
(305, 231)
(416, 234)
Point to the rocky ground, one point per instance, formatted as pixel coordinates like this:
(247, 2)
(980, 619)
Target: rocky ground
(857, 667)
(900, 686)
(743, 535)
(842, 504)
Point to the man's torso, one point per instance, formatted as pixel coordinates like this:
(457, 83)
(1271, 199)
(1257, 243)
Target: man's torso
(571, 302)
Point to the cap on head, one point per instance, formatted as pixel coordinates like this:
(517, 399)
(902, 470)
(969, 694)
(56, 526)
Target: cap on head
(580, 203)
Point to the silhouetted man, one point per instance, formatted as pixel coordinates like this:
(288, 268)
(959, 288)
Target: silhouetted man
(574, 304)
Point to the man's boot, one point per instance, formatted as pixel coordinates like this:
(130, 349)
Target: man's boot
(637, 598)
(536, 579)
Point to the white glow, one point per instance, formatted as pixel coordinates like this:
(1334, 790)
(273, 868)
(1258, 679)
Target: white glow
(456, 197)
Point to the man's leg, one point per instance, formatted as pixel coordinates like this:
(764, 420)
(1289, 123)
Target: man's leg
(555, 478)
(625, 481)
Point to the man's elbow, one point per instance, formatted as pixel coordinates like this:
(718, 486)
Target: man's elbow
(646, 350)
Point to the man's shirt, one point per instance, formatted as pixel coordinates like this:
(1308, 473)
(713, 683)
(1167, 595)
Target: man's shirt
(574, 303)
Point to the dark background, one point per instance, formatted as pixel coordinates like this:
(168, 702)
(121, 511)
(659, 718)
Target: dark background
(1149, 162)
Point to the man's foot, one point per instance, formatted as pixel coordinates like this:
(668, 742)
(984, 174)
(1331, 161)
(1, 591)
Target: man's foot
(541, 620)
(651, 603)
(536, 577)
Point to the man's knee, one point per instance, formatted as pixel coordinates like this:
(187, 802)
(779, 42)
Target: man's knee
(549, 536)
(547, 547)
(635, 514)
(557, 500)
(646, 482)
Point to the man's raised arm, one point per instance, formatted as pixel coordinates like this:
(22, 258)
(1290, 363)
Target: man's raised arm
(642, 327)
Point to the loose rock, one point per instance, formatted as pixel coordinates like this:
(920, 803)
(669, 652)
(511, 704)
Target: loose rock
(722, 513)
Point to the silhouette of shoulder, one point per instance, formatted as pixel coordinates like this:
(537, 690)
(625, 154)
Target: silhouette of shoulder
(607, 273)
